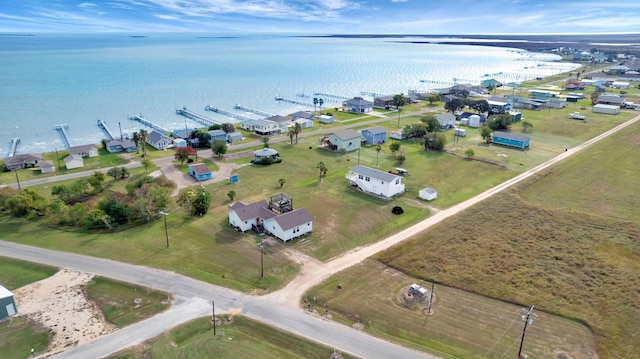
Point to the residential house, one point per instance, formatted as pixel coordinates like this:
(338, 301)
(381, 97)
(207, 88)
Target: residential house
(117, 146)
(499, 104)
(618, 70)
(73, 161)
(385, 102)
(21, 161)
(543, 94)
(358, 105)
(244, 216)
(555, 103)
(158, 140)
(374, 135)
(84, 150)
(510, 139)
(491, 84)
(616, 100)
(608, 109)
(266, 127)
(348, 139)
(574, 85)
(398, 134)
(233, 137)
(620, 84)
(303, 122)
(217, 135)
(447, 120)
(376, 182)
(302, 114)
(525, 103)
(283, 122)
(47, 167)
(289, 225)
(200, 171)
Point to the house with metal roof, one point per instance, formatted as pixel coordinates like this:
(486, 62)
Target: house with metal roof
(358, 105)
(84, 150)
(611, 99)
(200, 171)
(376, 182)
(499, 104)
(117, 146)
(374, 135)
(289, 225)
(446, 120)
(7, 304)
(217, 135)
(510, 139)
(348, 139)
(158, 140)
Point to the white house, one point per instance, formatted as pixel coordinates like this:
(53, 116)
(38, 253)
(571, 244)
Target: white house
(84, 150)
(374, 181)
(244, 216)
(290, 225)
(446, 120)
(73, 161)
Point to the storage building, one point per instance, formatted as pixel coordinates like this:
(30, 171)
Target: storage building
(510, 139)
(428, 194)
(7, 304)
(608, 109)
(374, 135)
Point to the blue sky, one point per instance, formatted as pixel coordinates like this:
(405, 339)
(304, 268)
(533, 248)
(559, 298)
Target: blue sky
(322, 16)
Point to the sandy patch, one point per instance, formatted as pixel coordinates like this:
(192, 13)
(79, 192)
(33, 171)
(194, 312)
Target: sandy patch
(59, 303)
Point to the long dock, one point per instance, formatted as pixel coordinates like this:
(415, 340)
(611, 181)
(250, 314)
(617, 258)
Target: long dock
(62, 128)
(280, 98)
(331, 95)
(198, 118)
(238, 117)
(249, 109)
(148, 123)
(103, 126)
(14, 146)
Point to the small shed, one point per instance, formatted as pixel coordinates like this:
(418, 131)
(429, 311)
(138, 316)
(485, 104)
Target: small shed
(200, 171)
(418, 291)
(516, 116)
(510, 139)
(398, 134)
(428, 194)
(47, 167)
(374, 135)
(474, 121)
(73, 161)
(608, 109)
(326, 119)
(179, 142)
(234, 137)
(460, 132)
(7, 304)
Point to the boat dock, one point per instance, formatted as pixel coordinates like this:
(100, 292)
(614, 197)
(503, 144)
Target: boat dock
(103, 126)
(331, 95)
(198, 118)
(63, 129)
(227, 113)
(372, 94)
(14, 145)
(280, 98)
(147, 123)
(257, 112)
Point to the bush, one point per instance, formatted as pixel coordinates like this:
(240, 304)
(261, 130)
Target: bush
(397, 210)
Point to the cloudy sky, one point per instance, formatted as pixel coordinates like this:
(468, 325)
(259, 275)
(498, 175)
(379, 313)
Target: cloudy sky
(322, 16)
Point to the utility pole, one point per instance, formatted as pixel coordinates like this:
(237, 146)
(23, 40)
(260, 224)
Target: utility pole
(213, 316)
(261, 245)
(58, 157)
(17, 179)
(433, 285)
(527, 318)
(166, 232)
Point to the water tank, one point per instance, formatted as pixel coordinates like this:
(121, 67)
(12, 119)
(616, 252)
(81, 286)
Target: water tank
(464, 121)
(474, 121)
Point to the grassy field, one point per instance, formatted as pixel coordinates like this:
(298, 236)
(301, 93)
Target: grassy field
(16, 273)
(462, 324)
(18, 336)
(566, 241)
(123, 304)
(243, 338)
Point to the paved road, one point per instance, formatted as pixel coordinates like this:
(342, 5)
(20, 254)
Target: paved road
(279, 309)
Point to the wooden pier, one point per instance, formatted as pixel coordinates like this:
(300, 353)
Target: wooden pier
(63, 129)
(280, 98)
(257, 112)
(238, 117)
(331, 95)
(198, 118)
(147, 123)
(103, 126)
(13, 147)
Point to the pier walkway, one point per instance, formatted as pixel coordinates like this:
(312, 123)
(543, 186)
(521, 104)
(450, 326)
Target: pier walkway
(280, 98)
(103, 126)
(14, 146)
(148, 123)
(331, 95)
(249, 109)
(198, 118)
(238, 117)
(63, 129)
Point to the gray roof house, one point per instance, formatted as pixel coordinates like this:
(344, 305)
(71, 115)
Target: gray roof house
(158, 141)
(446, 120)
(21, 161)
(73, 161)
(376, 182)
(117, 146)
(84, 150)
(302, 114)
(358, 105)
(348, 139)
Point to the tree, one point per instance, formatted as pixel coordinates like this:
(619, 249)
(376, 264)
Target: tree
(114, 172)
(399, 100)
(143, 135)
(265, 142)
(394, 147)
(202, 136)
(124, 172)
(486, 133)
(500, 122)
(291, 132)
(378, 149)
(454, 105)
(25, 203)
(470, 153)
(183, 153)
(231, 194)
(526, 126)
(322, 168)
(228, 127)
(96, 180)
(433, 125)
(297, 129)
(136, 140)
(219, 147)
(320, 103)
(146, 163)
(281, 181)
(594, 97)
(315, 103)
(400, 157)
(481, 106)
(439, 141)
(118, 211)
(434, 97)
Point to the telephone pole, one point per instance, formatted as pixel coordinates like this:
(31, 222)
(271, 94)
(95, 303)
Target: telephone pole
(166, 232)
(528, 317)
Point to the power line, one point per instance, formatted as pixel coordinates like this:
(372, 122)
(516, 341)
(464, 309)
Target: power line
(505, 332)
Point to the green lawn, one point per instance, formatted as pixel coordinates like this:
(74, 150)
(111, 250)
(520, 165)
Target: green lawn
(18, 336)
(15, 273)
(240, 338)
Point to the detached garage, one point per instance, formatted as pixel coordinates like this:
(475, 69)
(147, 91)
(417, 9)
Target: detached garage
(608, 109)
(7, 304)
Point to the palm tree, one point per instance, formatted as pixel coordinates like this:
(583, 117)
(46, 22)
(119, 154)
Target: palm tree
(231, 194)
(282, 181)
(297, 128)
(323, 169)
(136, 140)
(143, 135)
(320, 102)
(291, 132)
(378, 149)
(315, 103)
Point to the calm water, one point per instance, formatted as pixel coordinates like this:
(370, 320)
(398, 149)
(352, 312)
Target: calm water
(48, 80)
